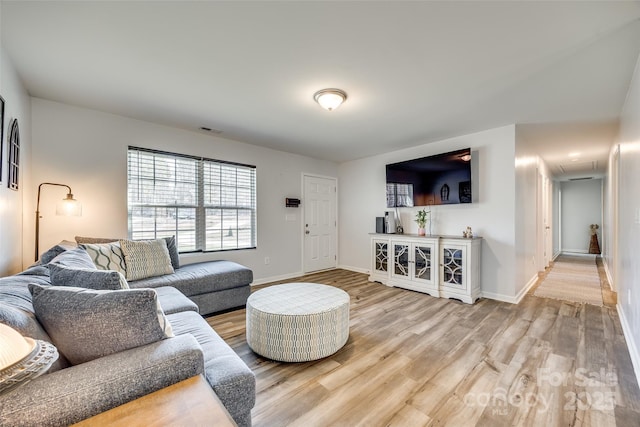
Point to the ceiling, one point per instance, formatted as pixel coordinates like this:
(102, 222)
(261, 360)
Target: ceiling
(415, 72)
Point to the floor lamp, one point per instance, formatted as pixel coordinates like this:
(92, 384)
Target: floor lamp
(68, 207)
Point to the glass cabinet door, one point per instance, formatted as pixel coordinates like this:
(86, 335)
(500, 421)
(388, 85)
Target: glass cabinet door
(381, 256)
(401, 259)
(422, 256)
(452, 263)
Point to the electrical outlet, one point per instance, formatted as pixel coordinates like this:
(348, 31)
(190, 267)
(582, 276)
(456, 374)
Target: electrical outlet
(266, 260)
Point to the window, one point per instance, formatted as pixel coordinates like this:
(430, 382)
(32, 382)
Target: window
(209, 205)
(14, 154)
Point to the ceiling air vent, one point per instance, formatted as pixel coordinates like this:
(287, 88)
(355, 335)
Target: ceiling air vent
(580, 179)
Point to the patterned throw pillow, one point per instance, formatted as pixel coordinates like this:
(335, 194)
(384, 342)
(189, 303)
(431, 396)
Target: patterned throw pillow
(86, 278)
(106, 256)
(85, 324)
(146, 258)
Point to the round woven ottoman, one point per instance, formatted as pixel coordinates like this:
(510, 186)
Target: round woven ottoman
(297, 322)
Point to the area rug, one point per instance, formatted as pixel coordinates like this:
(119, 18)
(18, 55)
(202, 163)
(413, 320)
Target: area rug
(572, 279)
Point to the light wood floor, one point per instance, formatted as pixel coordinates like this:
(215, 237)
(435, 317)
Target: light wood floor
(414, 360)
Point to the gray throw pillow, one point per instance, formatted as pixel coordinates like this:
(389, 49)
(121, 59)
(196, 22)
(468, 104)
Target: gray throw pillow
(86, 324)
(46, 257)
(91, 240)
(75, 258)
(86, 278)
(172, 247)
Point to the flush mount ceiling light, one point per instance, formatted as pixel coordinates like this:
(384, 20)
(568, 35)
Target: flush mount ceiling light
(465, 157)
(330, 99)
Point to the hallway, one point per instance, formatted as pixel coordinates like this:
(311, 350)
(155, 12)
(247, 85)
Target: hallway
(575, 279)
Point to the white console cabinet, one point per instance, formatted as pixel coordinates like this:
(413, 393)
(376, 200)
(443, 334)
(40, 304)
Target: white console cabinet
(441, 266)
(380, 257)
(413, 267)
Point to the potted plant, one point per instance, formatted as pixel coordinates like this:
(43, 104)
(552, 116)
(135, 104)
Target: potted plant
(422, 217)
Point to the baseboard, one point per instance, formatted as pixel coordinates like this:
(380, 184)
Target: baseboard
(355, 269)
(276, 278)
(527, 288)
(634, 351)
(556, 255)
(608, 274)
(509, 298)
(576, 252)
(499, 297)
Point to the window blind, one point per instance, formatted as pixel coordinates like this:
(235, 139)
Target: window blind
(209, 205)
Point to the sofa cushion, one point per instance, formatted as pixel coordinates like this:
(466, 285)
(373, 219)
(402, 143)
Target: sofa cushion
(26, 323)
(75, 258)
(106, 256)
(17, 311)
(35, 270)
(86, 324)
(86, 278)
(14, 290)
(201, 278)
(146, 258)
(228, 375)
(174, 301)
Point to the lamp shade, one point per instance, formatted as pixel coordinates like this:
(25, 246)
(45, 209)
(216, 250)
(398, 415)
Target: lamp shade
(69, 207)
(22, 359)
(330, 99)
(14, 347)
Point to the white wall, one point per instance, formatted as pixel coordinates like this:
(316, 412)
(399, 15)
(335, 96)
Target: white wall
(529, 242)
(87, 150)
(627, 240)
(362, 199)
(581, 207)
(12, 203)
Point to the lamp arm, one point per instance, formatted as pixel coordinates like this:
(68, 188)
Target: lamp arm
(38, 213)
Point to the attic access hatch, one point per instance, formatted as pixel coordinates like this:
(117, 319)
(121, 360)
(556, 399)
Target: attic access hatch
(576, 167)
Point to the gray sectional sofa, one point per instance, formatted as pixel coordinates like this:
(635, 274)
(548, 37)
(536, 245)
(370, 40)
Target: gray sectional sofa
(68, 394)
(213, 285)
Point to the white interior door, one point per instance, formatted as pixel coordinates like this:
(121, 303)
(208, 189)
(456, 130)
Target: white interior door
(319, 203)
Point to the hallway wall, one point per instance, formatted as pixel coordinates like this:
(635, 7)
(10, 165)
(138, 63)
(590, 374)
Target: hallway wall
(621, 255)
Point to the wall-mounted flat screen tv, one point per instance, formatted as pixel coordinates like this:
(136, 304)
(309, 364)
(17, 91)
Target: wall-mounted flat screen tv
(442, 179)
